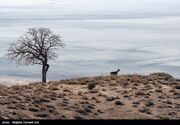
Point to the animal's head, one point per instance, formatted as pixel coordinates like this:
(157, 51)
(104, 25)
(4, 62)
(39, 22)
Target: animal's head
(118, 70)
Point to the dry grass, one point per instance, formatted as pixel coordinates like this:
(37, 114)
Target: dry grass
(112, 97)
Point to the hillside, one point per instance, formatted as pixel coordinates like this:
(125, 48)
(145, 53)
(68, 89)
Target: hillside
(155, 96)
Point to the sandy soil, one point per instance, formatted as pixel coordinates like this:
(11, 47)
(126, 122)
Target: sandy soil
(156, 96)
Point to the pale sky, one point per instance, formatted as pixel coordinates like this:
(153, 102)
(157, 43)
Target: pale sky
(22, 2)
(86, 2)
(90, 7)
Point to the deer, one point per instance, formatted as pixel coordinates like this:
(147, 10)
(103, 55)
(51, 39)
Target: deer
(114, 73)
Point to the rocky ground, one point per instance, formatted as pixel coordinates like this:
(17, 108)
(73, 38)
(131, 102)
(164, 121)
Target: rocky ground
(156, 96)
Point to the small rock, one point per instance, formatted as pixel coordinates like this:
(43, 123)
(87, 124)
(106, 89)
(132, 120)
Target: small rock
(111, 98)
(95, 90)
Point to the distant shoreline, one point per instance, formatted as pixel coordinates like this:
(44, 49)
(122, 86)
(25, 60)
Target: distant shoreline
(13, 80)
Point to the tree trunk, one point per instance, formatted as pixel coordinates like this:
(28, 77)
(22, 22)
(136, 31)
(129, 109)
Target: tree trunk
(45, 68)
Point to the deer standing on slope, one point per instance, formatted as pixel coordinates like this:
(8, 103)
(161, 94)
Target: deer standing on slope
(114, 73)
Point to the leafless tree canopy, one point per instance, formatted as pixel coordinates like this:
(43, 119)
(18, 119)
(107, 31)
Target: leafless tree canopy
(36, 46)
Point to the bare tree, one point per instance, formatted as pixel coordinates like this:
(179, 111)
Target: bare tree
(36, 46)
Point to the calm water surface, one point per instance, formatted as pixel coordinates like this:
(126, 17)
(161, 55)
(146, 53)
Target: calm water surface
(96, 46)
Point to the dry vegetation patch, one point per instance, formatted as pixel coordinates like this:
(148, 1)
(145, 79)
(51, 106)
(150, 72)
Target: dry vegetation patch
(104, 97)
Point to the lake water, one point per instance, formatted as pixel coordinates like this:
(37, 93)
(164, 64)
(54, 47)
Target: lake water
(98, 46)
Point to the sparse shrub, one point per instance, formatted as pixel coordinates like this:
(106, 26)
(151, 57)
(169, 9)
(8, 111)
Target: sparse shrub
(126, 96)
(107, 79)
(145, 110)
(42, 115)
(158, 90)
(149, 103)
(113, 83)
(177, 87)
(66, 90)
(163, 117)
(103, 89)
(135, 88)
(12, 106)
(113, 77)
(135, 84)
(142, 93)
(169, 102)
(33, 109)
(78, 117)
(136, 103)
(119, 103)
(172, 113)
(162, 75)
(125, 92)
(54, 88)
(91, 86)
